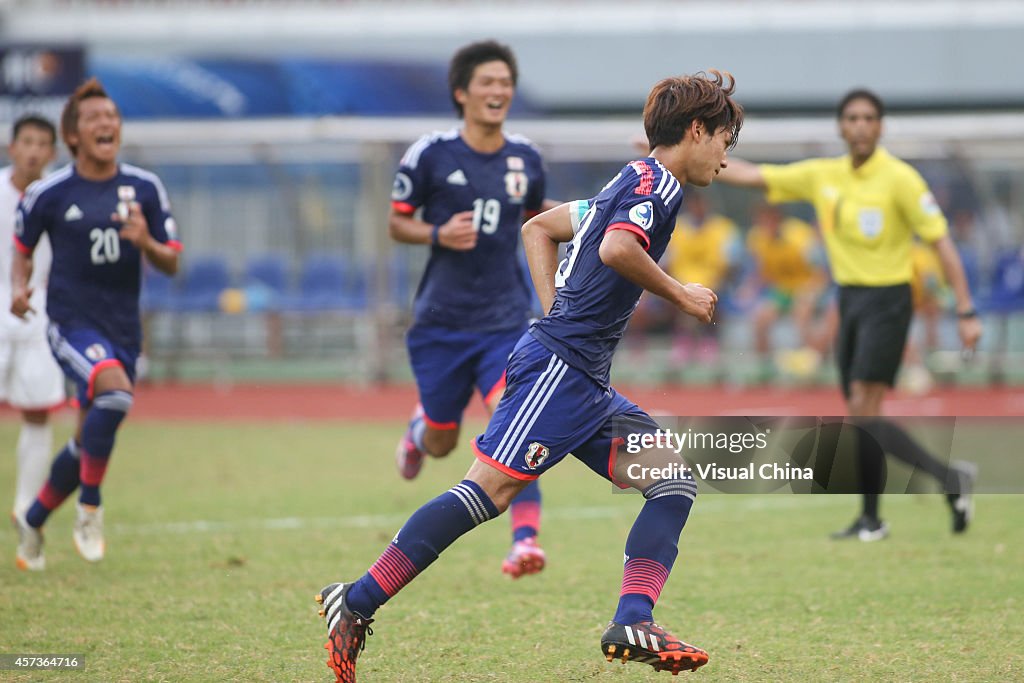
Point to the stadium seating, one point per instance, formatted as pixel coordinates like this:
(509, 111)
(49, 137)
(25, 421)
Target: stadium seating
(158, 291)
(266, 282)
(329, 283)
(203, 280)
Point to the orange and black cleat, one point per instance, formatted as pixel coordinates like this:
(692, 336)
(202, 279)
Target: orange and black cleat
(346, 631)
(648, 643)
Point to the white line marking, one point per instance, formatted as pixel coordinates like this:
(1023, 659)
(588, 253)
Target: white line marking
(717, 503)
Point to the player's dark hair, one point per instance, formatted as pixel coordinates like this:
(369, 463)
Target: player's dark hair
(674, 103)
(469, 57)
(861, 94)
(34, 121)
(69, 117)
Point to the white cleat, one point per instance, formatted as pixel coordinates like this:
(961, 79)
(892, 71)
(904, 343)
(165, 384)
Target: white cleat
(30, 546)
(88, 533)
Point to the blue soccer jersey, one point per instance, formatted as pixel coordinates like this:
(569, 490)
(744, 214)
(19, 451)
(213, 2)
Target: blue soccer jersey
(483, 289)
(96, 276)
(593, 303)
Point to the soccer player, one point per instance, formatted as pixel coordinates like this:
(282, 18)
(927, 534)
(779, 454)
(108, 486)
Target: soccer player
(558, 399)
(474, 185)
(30, 379)
(869, 206)
(102, 217)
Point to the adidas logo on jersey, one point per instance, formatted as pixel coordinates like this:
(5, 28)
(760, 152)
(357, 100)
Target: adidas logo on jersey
(73, 213)
(457, 177)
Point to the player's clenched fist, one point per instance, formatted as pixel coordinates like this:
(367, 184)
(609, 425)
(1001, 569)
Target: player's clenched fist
(134, 228)
(20, 305)
(458, 233)
(699, 301)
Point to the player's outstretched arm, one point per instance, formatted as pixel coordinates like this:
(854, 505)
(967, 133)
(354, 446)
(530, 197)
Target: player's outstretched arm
(953, 268)
(21, 293)
(622, 252)
(541, 236)
(742, 174)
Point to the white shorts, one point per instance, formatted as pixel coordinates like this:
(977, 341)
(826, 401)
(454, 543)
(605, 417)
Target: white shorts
(30, 378)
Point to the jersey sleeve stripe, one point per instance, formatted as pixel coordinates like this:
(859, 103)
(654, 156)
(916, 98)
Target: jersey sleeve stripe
(633, 229)
(664, 179)
(675, 189)
(403, 207)
(161, 192)
(411, 158)
(175, 245)
(38, 187)
(24, 250)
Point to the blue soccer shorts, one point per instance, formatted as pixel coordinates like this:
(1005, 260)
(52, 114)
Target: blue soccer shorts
(83, 352)
(449, 364)
(551, 409)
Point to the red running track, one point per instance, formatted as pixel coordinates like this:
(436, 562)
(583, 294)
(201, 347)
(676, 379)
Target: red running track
(291, 402)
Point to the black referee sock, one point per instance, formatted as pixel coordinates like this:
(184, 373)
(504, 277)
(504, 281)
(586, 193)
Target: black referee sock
(871, 467)
(897, 442)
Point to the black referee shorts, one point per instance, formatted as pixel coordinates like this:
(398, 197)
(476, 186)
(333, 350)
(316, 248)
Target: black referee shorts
(873, 325)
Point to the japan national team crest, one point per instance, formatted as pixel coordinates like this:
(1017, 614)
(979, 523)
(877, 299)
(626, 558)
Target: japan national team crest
(536, 454)
(95, 352)
(516, 181)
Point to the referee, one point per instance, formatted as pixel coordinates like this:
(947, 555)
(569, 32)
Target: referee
(869, 205)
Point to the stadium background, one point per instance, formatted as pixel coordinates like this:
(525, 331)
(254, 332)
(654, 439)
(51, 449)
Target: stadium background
(277, 128)
(258, 455)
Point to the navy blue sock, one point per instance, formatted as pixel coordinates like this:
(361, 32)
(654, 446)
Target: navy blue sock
(61, 484)
(430, 530)
(524, 512)
(98, 432)
(651, 548)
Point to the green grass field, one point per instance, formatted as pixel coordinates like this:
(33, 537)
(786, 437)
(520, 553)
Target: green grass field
(219, 536)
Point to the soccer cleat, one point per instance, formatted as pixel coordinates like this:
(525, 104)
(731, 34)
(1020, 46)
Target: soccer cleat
(29, 555)
(864, 529)
(648, 643)
(526, 557)
(88, 533)
(346, 631)
(962, 502)
(408, 458)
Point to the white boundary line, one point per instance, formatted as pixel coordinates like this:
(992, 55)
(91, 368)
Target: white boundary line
(720, 503)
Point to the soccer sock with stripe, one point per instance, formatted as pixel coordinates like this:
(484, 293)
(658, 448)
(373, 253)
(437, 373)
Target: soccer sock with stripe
(426, 534)
(62, 482)
(98, 432)
(651, 548)
(525, 512)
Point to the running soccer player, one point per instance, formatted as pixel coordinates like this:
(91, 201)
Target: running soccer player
(870, 205)
(558, 399)
(101, 217)
(30, 379)
(474, 185)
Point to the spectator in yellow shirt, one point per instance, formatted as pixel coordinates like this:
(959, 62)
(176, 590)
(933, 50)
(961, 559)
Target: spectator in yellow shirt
(705, 248)
(869, 206)
(791, 279)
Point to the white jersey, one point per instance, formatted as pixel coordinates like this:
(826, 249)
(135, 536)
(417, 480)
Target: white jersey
(10, 326)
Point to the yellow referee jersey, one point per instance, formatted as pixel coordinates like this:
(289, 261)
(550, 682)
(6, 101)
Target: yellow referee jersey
(868, 215)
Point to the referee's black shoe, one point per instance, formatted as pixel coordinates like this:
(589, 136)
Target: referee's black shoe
(961, 501)
(865, 529)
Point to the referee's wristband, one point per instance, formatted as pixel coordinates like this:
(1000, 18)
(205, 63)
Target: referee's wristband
(435, 235)
(967, 315)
